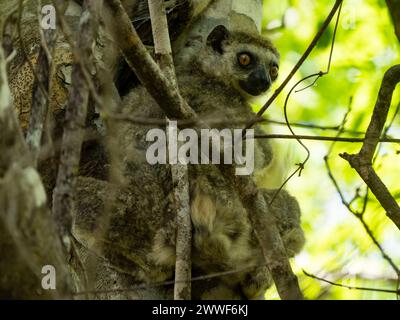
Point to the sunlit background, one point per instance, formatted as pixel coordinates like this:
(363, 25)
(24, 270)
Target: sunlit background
(338, 247)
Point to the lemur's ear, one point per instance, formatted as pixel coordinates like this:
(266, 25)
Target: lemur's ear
(216, 37)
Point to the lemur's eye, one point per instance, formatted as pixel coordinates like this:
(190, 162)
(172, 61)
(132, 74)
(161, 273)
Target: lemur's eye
(274, 71)
(244, 59)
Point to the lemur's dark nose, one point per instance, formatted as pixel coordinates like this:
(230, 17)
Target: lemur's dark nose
(257, 82)
(261, 80)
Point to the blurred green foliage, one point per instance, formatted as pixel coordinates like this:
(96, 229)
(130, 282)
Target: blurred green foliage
(338, 247)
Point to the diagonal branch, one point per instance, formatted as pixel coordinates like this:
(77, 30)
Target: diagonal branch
(362, 162)
(350, 287)
(394, 10)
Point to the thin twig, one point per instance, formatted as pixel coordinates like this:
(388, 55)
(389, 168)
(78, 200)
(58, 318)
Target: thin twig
(181, 123)
(313, 126)
(350, 287)
(320, 138)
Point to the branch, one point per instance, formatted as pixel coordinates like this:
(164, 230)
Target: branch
(144, 121)
(320, 138)
(359, 214)
(76, 112)
(394, 10)
(169, 99)
(397, 292)
(179, 172)
(313, 126)
(362, 162)
(183, 264)
(162, 42)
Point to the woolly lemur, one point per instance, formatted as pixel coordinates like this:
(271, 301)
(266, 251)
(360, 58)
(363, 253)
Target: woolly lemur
(140, 240)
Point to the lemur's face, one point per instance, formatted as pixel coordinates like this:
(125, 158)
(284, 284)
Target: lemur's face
(249, 64)
(258, 71)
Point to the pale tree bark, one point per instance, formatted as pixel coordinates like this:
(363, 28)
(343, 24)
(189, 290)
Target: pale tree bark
(76, 113)
(179, 172)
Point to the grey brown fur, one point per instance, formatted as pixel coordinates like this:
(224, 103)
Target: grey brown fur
(140, 238)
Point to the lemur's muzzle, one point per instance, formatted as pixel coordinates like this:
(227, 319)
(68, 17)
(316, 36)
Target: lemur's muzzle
(257, 82)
